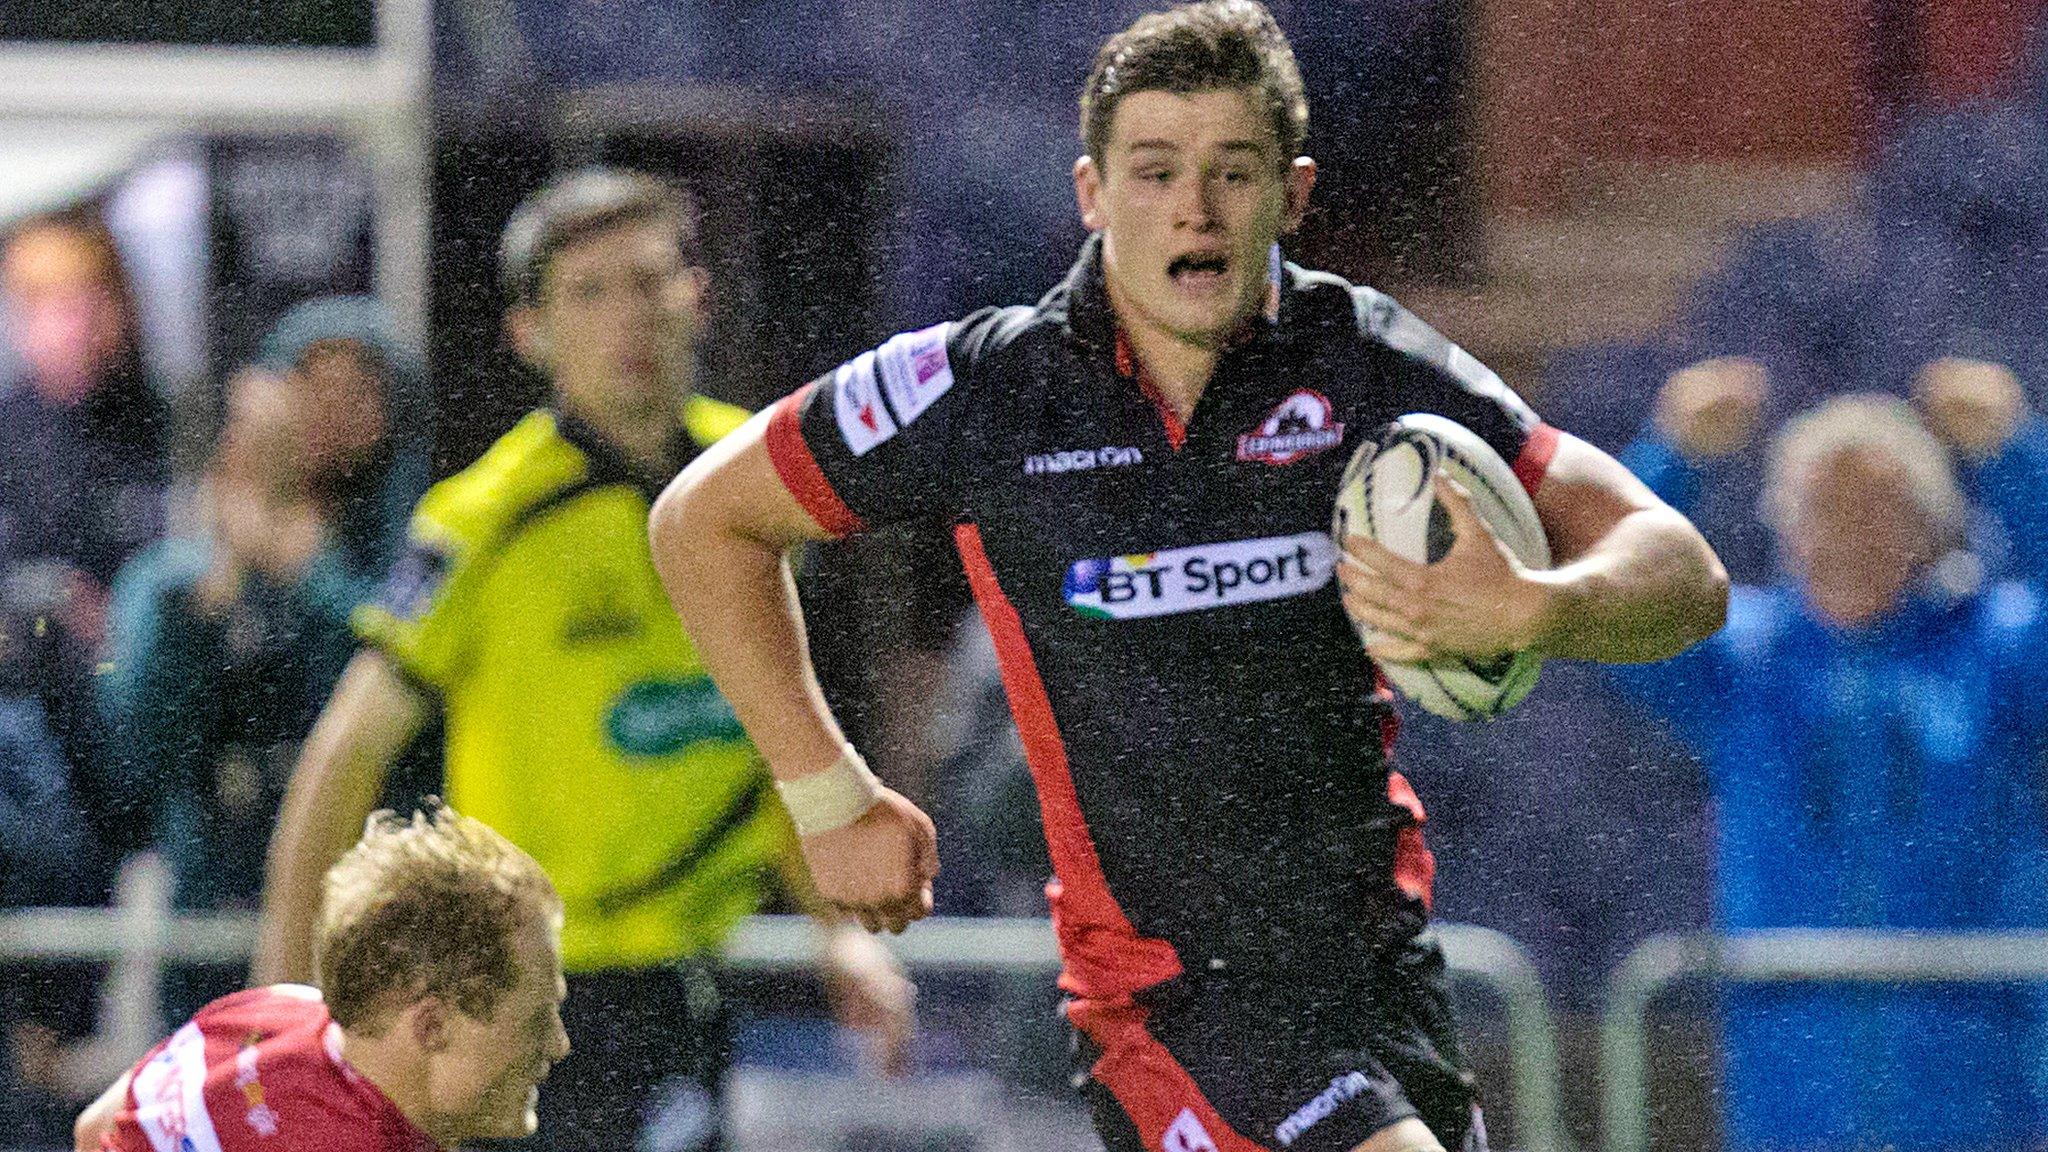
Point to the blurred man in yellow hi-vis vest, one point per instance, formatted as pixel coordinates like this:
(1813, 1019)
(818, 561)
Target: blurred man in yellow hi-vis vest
(580, 722)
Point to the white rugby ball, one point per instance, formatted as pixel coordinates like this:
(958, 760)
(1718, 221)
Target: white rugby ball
(1388, 493)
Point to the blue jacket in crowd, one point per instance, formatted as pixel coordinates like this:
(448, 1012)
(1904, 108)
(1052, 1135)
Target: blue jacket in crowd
(1888, 777)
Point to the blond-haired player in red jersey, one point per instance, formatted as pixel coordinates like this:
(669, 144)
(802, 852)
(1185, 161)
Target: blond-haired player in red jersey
(438, 1015)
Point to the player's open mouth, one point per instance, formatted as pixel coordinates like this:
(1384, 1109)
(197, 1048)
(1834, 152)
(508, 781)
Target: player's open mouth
(1198, 271)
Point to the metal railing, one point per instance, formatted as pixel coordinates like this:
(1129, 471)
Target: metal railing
(1784, 956)
(140, 938)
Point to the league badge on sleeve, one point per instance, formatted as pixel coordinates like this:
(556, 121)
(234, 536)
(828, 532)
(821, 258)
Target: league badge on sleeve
(414, 580)
(864, 419)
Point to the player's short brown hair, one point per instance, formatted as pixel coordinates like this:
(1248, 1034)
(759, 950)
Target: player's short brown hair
(1198, 48)
(426, 906)
(579, 204)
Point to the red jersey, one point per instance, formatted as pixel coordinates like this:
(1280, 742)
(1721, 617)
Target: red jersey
(258, 1071)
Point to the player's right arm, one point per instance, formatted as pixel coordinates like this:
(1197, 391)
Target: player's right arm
(721, 536)
(90, 1131)
(372, 716)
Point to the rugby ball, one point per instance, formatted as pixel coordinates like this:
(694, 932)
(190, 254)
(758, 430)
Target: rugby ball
(1388, 493)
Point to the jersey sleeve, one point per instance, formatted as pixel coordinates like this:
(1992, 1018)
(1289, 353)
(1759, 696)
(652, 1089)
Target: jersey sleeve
(1435, 375)
(423, 619)
(891, 435)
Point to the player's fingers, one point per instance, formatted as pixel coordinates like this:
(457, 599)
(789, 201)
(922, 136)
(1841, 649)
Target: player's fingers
(898, 916)
(1363, 549)
(1411, 606)
(1457, 504)
(925, 862)
(1379, 583)
(1381, 622)
(915, 906)
(1394, 650)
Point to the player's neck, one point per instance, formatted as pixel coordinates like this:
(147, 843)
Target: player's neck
(394, 1070)
(1178, 368)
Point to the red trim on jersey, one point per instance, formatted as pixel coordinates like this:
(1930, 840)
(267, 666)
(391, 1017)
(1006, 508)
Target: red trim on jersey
(1537, 452)
(1103, 955)
(1131, 368)
(1148, 1083)
(799, 470)
(1414, 863)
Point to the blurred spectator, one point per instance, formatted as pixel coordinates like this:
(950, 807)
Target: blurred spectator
(81, 433)
(43, 841)
(225, 644)
(81, 487)
(1872, 732)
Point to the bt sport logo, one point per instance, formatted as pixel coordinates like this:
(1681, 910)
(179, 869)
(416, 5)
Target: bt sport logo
(1165, 583)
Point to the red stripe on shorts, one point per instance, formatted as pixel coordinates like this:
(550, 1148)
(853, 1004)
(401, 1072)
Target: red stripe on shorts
(1151, 1087)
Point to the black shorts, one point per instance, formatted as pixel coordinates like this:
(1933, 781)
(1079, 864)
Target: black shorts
(1237, 1061)
(649, 1054)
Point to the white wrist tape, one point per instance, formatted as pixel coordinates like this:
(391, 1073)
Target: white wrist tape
(834, 798)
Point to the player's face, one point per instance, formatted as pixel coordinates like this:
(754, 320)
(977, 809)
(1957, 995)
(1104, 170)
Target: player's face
(1190, 196)
(490, 1082)
(617, 321)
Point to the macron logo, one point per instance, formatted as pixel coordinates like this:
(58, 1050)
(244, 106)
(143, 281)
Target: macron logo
(1342, 1089)
(1081, 460)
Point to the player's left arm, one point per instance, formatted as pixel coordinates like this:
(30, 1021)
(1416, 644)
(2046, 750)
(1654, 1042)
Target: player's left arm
(89, 1133)
(1632, 580)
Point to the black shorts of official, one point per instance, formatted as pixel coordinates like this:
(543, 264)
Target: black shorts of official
(1239, 1060)
(649, 1054)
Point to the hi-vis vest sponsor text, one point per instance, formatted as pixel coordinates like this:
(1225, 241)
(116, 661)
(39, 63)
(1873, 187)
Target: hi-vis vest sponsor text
(1202, 576)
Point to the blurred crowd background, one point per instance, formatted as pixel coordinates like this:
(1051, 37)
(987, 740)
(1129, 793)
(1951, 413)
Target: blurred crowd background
(1675, 228)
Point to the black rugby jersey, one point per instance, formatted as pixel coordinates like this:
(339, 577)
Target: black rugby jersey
(1207, 735)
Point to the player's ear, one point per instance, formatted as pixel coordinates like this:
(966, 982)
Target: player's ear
(1299, 181)
(1088, 192)
(528, 336)
(429, 1023)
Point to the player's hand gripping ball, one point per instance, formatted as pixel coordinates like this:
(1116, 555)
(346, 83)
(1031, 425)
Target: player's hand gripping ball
(1389, 493)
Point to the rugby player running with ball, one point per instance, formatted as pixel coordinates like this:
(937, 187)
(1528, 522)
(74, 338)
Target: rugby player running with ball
(1241, 885)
